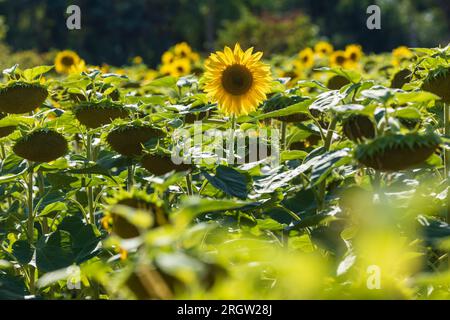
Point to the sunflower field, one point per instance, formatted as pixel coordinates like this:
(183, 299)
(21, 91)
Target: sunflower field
(350, 199)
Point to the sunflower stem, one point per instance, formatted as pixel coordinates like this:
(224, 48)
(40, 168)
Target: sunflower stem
(283, 135)
(327, 146)
(232, 133)
(447, 154)
(90, 193)
(30, 223)
(2, 149)
(130, 180)
(41, 185)
(189, 184)
(330, 132)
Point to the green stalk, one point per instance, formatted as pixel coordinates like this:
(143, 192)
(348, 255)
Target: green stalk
(329, 137)
(130, 179)
(447, 153)
(283, 135)
(30, 223)
(90, 192)
(2, 150)
(327, 145)
(233, 129)
(40, 181)
(189, 185)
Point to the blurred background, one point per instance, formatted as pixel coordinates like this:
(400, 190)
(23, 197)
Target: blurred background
(115, 31)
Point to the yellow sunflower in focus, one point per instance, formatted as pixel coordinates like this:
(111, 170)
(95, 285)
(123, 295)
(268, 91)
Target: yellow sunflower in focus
(354, 53)
(338, 59)
(401, 54)
(168, 57)
(182, 50)
(65, 60)
(306, 58)
(181, 67)
(237, 80)
(323, 48)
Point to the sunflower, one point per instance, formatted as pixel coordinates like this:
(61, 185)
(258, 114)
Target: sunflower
(194, 57)
(78, 68)
(237, 80)
(354, 53)
(401, 54)
(65, 60)
(323, 48)
(166, 69)
(338, 59)
(306, 57)
(168, 58)
(183, 50)
(22, 97)
(181, 67)
(298, 69)
(41, 145)
(138, 60)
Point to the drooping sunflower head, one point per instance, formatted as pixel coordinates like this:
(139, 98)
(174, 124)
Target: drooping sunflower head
(338, 59)
(41, 145)
(323, 48)
(183, 50)
(65, 60)
(181, 67)
(21, 97)
(306, 57)
(151, 213)
(354, 52)
(128, 140)
(238, 81)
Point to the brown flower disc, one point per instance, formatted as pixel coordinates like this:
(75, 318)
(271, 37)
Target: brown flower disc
(41, 146)
(97, 115)
(160, 165)
(21, 97)
(439, 85)
(125, 229)
(337, 82)
(358, 128)
(401, 78)
(6, 131)
(128, 141)
(394, 153)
